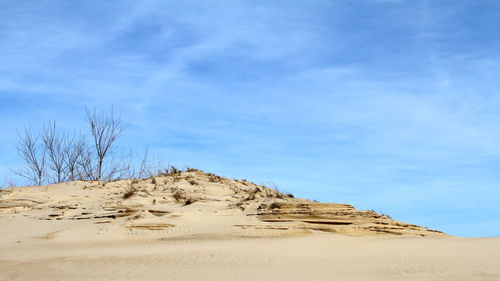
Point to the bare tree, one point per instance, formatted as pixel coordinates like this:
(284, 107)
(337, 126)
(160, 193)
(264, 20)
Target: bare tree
(86, 165)
(34, 156)
(55, 157)
(73, 152)
(55, 146)
(105, 129)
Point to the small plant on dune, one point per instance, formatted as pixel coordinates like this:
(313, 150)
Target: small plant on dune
(170, 171)
(189, 169)
(282, 195)
(178, 195)
(273, 191)
(189, 201)
(174, 171)
(129, 191)
(214, 178)
(278, 195)
(155, 183)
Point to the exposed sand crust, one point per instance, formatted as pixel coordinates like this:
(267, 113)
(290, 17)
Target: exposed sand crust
(199, 226)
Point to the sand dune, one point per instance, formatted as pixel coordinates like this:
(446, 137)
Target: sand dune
(199, 226)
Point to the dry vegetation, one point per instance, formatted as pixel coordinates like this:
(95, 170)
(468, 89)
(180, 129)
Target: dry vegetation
(130, 190)
(53, 156)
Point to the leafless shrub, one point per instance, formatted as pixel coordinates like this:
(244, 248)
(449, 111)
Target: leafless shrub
(73, 153)
(54, 145)
(34, 156)
(86, 165)
(53, 156)
(59, 158)
(105, 128)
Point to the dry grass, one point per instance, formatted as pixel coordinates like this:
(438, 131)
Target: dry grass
(178, 194)
(214, 178)
(190, 201)
(170, 171)
(191, 180)
(130, 190)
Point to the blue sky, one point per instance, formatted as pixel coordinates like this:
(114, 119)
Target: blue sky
(385, 104)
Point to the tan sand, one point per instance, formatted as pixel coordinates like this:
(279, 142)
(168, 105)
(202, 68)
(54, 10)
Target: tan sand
(198, 226)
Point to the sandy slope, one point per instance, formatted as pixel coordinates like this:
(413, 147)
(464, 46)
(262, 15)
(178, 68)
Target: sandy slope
(228, 230)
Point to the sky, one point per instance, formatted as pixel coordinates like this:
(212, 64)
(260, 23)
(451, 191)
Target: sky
(390, 105)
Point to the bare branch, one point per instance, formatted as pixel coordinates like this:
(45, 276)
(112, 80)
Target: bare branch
(105, 129)
(86, 165)
(34, 156)
(73, 152)
(54, 144)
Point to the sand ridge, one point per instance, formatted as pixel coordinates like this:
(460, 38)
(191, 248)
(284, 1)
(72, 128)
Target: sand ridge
(202, 202)
(193, 225)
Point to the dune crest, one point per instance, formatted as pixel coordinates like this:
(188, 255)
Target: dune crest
(192, 204)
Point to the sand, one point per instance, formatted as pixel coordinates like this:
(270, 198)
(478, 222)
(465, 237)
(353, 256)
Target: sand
(198, 226)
